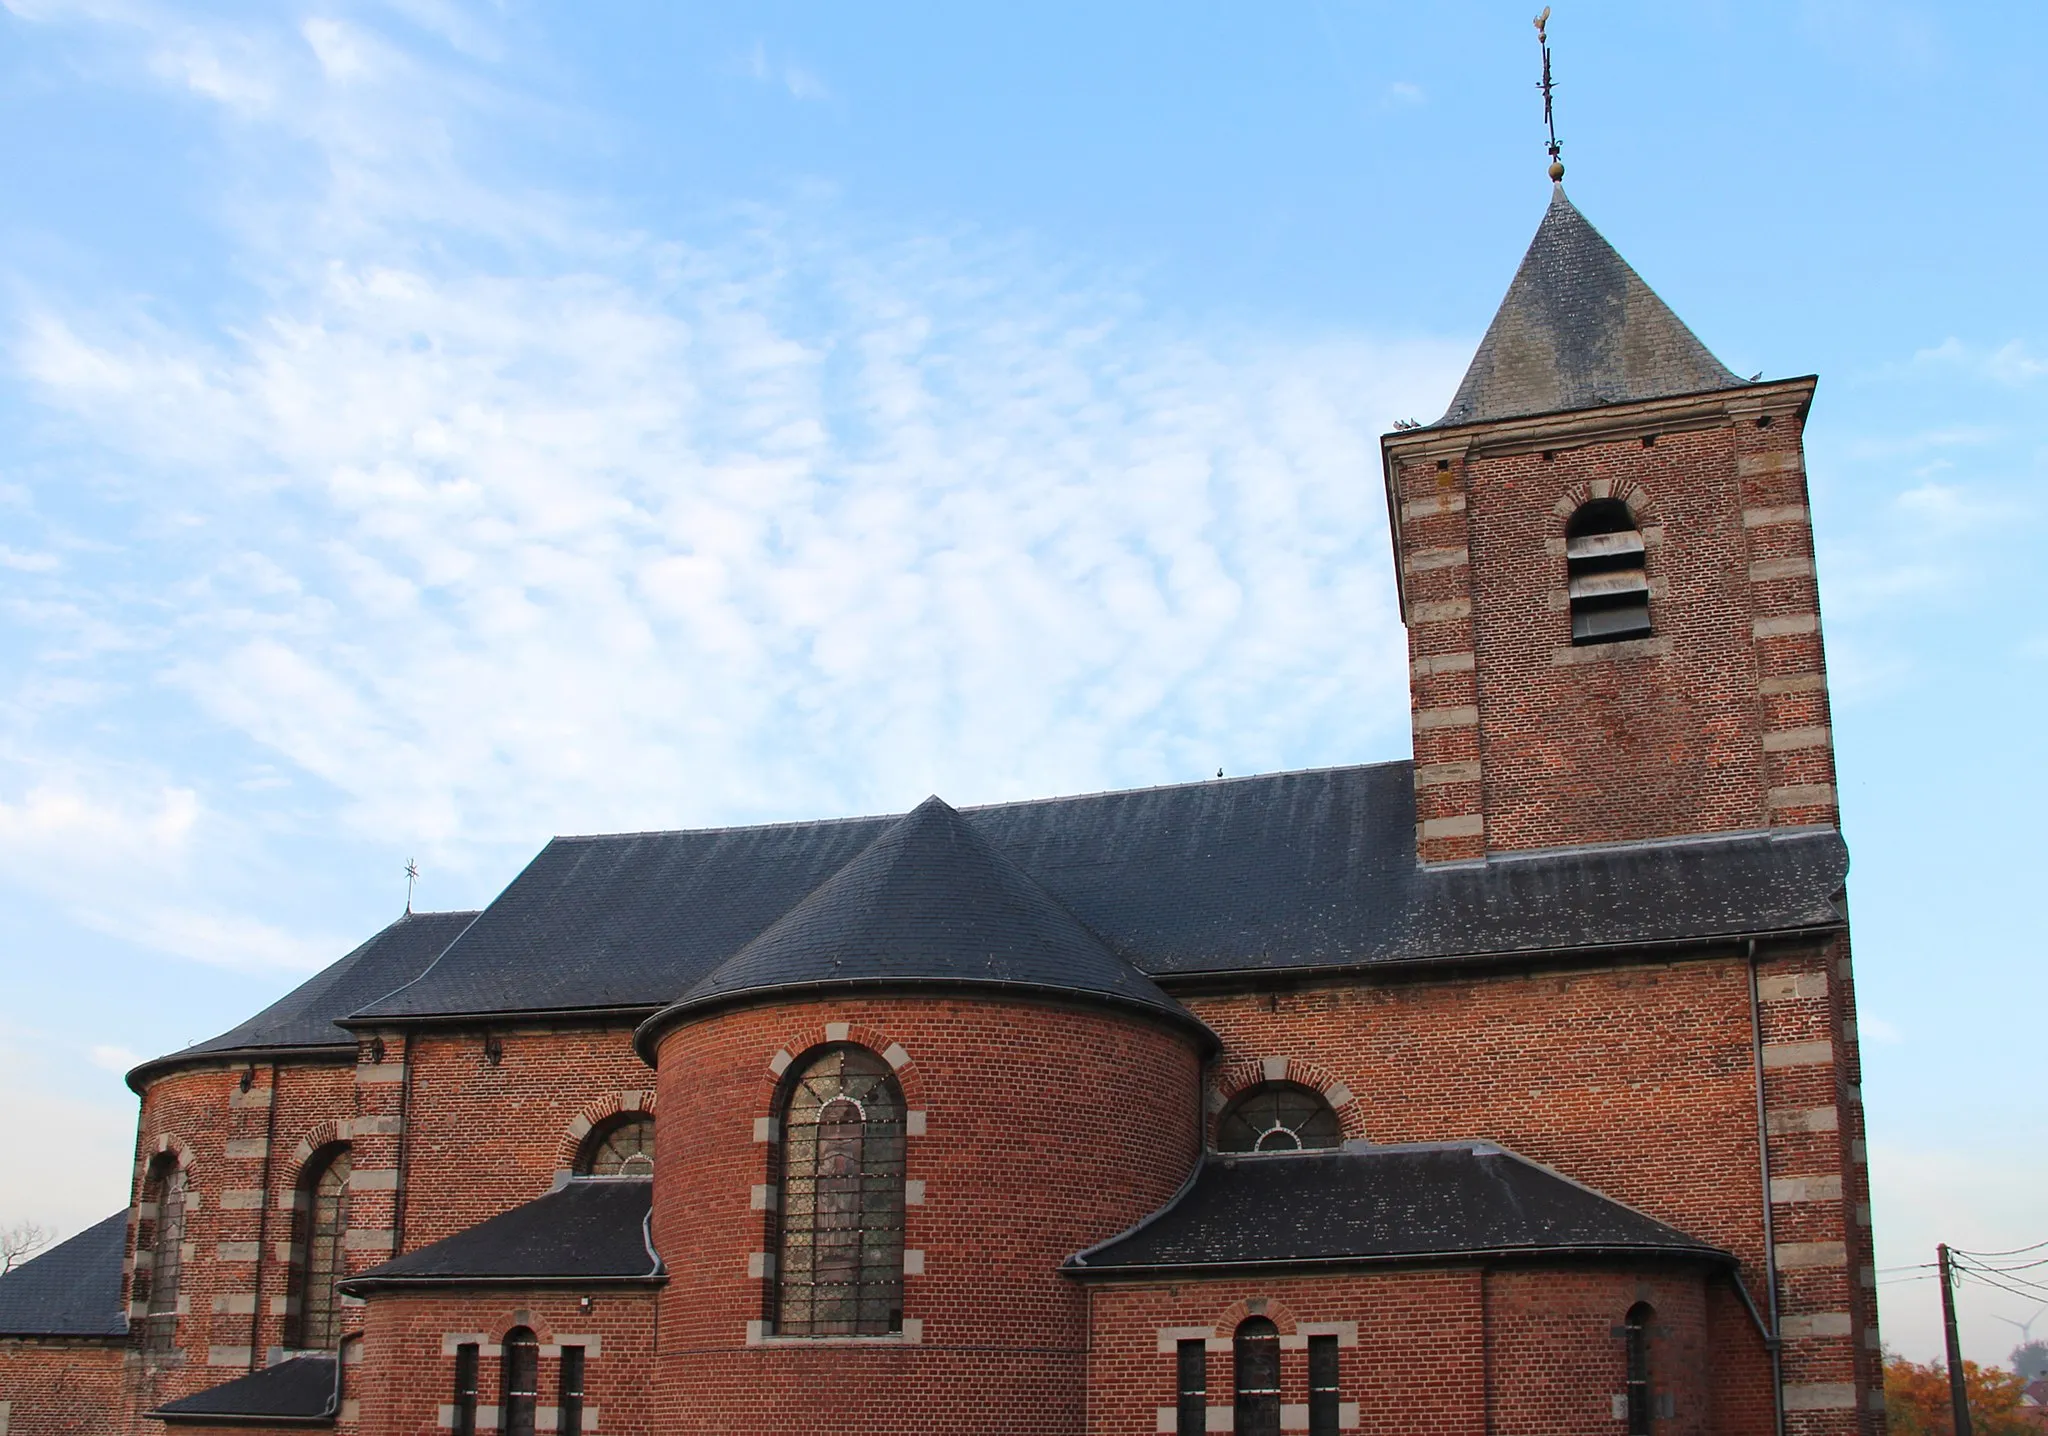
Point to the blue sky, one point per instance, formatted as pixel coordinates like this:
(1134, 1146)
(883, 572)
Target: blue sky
(425, 428)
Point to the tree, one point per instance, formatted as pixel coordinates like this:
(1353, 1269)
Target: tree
(2030, 1360)
(1916, 1399)
(20, 1242)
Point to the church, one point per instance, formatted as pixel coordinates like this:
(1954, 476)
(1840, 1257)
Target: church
(1509, 1088)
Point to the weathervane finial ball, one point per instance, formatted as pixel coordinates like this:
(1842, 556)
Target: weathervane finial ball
(1556, 171)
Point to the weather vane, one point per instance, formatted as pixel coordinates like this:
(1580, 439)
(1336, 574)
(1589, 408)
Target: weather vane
(1549, 120)
(412, 875)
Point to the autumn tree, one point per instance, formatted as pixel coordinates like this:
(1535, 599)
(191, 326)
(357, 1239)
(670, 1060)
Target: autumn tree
(1916, 1401)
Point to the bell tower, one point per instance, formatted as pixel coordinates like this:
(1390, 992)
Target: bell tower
(1606, 571)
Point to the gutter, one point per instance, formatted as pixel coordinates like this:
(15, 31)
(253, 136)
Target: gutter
(364, 1286)
(1074, 1267)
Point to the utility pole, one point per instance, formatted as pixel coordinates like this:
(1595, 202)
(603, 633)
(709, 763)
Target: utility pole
(1958, 1391)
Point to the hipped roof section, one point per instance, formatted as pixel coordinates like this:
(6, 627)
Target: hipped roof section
(1579, 329)
(931, 902)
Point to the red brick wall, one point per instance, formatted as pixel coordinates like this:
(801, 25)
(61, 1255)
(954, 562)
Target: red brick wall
(1717, 722)
(1046, 1129)
(407, 1373)
(486, 1137)
(1639, 1081)
(63, 1389)
(1432, 1352)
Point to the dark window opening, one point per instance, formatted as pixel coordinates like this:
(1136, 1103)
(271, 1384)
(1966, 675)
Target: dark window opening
(1610, 592)
(569, 1412)
(622, 1147)
(465, 1389)
(1636, 1335)
(838, 1225)
(1257, 1352)
(1278, 1117)
(318, 1242)
(1191, 1401)
(166, 1247)
(520, 1399)
(1322, 1386)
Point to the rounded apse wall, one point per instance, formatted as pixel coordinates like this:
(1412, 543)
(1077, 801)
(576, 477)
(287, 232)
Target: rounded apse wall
(1033, 1129)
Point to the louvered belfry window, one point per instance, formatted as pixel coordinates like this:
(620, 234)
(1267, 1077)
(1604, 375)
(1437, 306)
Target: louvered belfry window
(1636, 1352)
(519, 1394)
(321, 1241)
(839, 1253)
(1610, 592)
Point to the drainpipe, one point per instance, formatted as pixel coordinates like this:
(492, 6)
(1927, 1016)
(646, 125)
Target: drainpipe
(1773, 1338)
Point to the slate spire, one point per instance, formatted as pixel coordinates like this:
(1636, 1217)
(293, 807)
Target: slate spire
(1579, 329)
(931, 902)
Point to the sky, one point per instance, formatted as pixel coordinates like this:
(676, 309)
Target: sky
(426, 427)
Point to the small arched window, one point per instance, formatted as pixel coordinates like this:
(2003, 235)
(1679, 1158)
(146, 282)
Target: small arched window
(839, 1247)
(1256, 1352)
(1610, 593)
(318, 1241)
(1635, 1330)
(519, 1395)
(164, 1236)
(1278, 1117)
(622, 1147)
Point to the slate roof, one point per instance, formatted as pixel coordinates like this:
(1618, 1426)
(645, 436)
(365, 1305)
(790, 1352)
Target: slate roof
(1424, 1202)
(305, 1016)
(587, 1230)
(929, 901)
(1579, 329)
(298, 1392)
(73, 1289)
(1287, 871)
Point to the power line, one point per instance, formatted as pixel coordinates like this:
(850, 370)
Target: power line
(2016, 1251)
(1976, 1275)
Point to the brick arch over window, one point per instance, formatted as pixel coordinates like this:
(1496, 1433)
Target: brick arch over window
(909, 1081)
(318, 1138)
(1271, 1308)
(569, 1150)
(168, 1144)
(1577, 495)
(1241, 1074)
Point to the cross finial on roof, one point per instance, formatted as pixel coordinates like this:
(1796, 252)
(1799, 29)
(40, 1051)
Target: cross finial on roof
(412, 875)
(1545, 85)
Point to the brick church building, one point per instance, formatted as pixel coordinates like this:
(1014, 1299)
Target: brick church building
(1510, 1089)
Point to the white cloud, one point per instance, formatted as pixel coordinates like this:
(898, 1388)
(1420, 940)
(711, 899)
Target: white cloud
(113, 1059)
(1404, 93)
(799, 81)
(1877, 1029)
(2011, 363)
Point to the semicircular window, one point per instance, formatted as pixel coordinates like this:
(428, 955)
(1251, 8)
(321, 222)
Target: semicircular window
(1278, 1117)
(623, 1147)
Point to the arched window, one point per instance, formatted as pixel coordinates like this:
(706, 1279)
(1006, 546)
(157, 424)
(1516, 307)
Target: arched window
(1278, 1117)
(1610, 594)
(1635, 1329)
(839, 1247)
(622, 1147)
(519, 1396)
(319, 1233)
(165, 1238)
(1257, 1360)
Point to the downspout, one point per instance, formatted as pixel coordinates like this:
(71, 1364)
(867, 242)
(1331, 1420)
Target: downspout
(1774, 1341)
(404, 1145)
(263, 1226)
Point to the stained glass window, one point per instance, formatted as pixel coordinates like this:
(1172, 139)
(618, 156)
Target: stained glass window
(319, 1244)
(1278, 1117)
(840, 1248)
(623, 1147)
(167, 1258)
